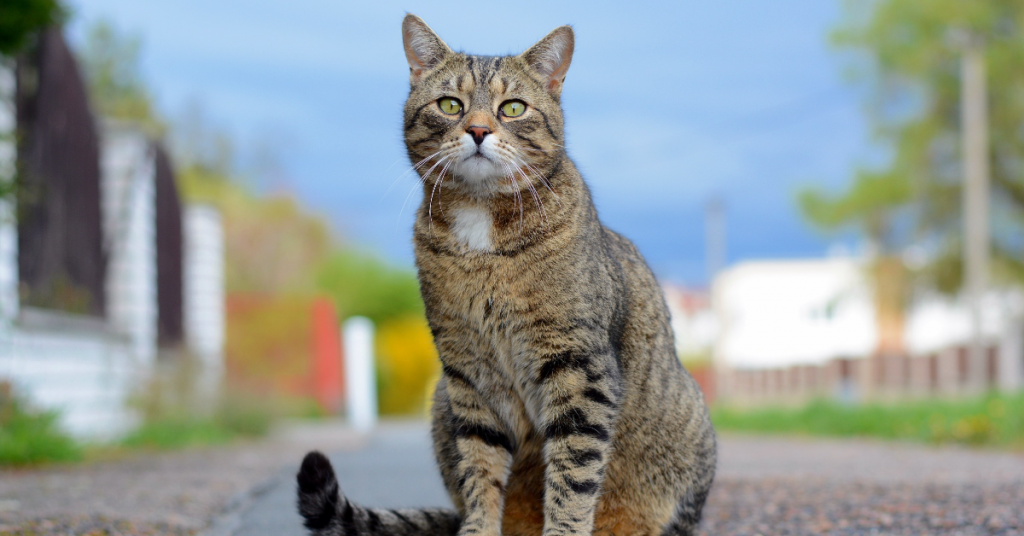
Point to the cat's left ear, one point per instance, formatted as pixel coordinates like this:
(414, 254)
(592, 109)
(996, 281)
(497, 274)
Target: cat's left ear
(551, 57)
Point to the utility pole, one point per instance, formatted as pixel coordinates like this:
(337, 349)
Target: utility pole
(974, 120)
(714, 238)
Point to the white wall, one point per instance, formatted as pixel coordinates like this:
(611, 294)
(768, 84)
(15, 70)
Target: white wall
(203, 293)
(87, 369)
(8, 227)
(693, 321)
(782, 313)
(85, 373)
(938, 322)
(127, 193)
(57, 361)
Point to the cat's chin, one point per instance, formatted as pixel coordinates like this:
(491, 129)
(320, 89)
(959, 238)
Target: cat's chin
(480, 175)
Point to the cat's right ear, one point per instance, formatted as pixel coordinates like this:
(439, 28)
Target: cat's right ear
(423, 48)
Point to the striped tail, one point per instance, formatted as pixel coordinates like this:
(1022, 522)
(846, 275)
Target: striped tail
(329, 513)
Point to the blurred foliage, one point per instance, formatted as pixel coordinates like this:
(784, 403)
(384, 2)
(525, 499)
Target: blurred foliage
(59, 293)
(19, 19)
(363, 285)
(230, 422)
(278, 251)
(110, 61)
(178, 411)
(200, 144)
(872, 203)
(268, 344)
(989, 420)
(907, 54)
(272, 244)
(407, 365)
(29, 437)
(236, 416)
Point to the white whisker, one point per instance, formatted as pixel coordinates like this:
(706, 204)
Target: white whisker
(423, 178)
(536, 196)
(533, 170)
(404, 173)
(440, 179)
(447, 158)
(515, 190)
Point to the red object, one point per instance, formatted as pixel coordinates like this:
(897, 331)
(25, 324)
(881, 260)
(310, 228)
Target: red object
(328, 376)
(285, 347)
(705, 376)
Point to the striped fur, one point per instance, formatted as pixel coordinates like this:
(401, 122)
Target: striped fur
(327, 511)
(562, 408)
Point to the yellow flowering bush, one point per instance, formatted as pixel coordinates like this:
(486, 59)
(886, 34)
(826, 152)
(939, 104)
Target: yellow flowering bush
(407, 365)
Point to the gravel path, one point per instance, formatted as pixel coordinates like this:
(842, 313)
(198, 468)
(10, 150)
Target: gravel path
(171, 493)
(774, 486)
(768, 486)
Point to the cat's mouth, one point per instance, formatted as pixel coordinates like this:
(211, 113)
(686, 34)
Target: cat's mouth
(479, 159)
(478, 169)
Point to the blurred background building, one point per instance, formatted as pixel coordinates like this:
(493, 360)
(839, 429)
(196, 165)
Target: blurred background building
(99, 254)
(790, 331)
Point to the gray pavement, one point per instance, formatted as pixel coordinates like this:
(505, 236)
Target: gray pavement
(764, 486)
(157, 493)
(394, 469)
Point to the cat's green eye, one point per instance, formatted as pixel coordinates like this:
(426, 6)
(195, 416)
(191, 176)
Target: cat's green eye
(450, 106)
(513, 108)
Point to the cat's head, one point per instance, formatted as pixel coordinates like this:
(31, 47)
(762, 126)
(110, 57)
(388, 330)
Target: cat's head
(484, 124)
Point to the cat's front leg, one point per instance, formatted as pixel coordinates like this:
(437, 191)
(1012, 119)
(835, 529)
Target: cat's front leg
(581, 403)
(484, 455)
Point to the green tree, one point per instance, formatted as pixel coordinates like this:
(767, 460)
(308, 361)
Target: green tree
(905, 53)
(872, 203)
(362, 284)
(19, 19)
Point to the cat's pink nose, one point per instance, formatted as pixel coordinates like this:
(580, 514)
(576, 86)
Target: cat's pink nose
(478, 133)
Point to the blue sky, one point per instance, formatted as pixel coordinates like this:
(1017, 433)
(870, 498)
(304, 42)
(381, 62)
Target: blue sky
(667, 105)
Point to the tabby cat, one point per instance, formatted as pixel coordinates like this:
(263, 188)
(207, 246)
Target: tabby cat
(562, 407)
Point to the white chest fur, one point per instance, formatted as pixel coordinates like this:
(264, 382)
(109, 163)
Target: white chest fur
(472, 227)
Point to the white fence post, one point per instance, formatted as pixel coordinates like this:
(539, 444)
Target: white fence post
(360, 374)
(1011, 354)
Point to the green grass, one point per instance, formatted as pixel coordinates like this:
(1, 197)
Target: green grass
(234, 419)
(32, 437)
(177, 432)
(29, 437)
(995, 420)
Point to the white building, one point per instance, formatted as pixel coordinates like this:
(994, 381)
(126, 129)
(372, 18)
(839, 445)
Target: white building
(785, 325)
(88, 367)
(693, 321)
(783, 313)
